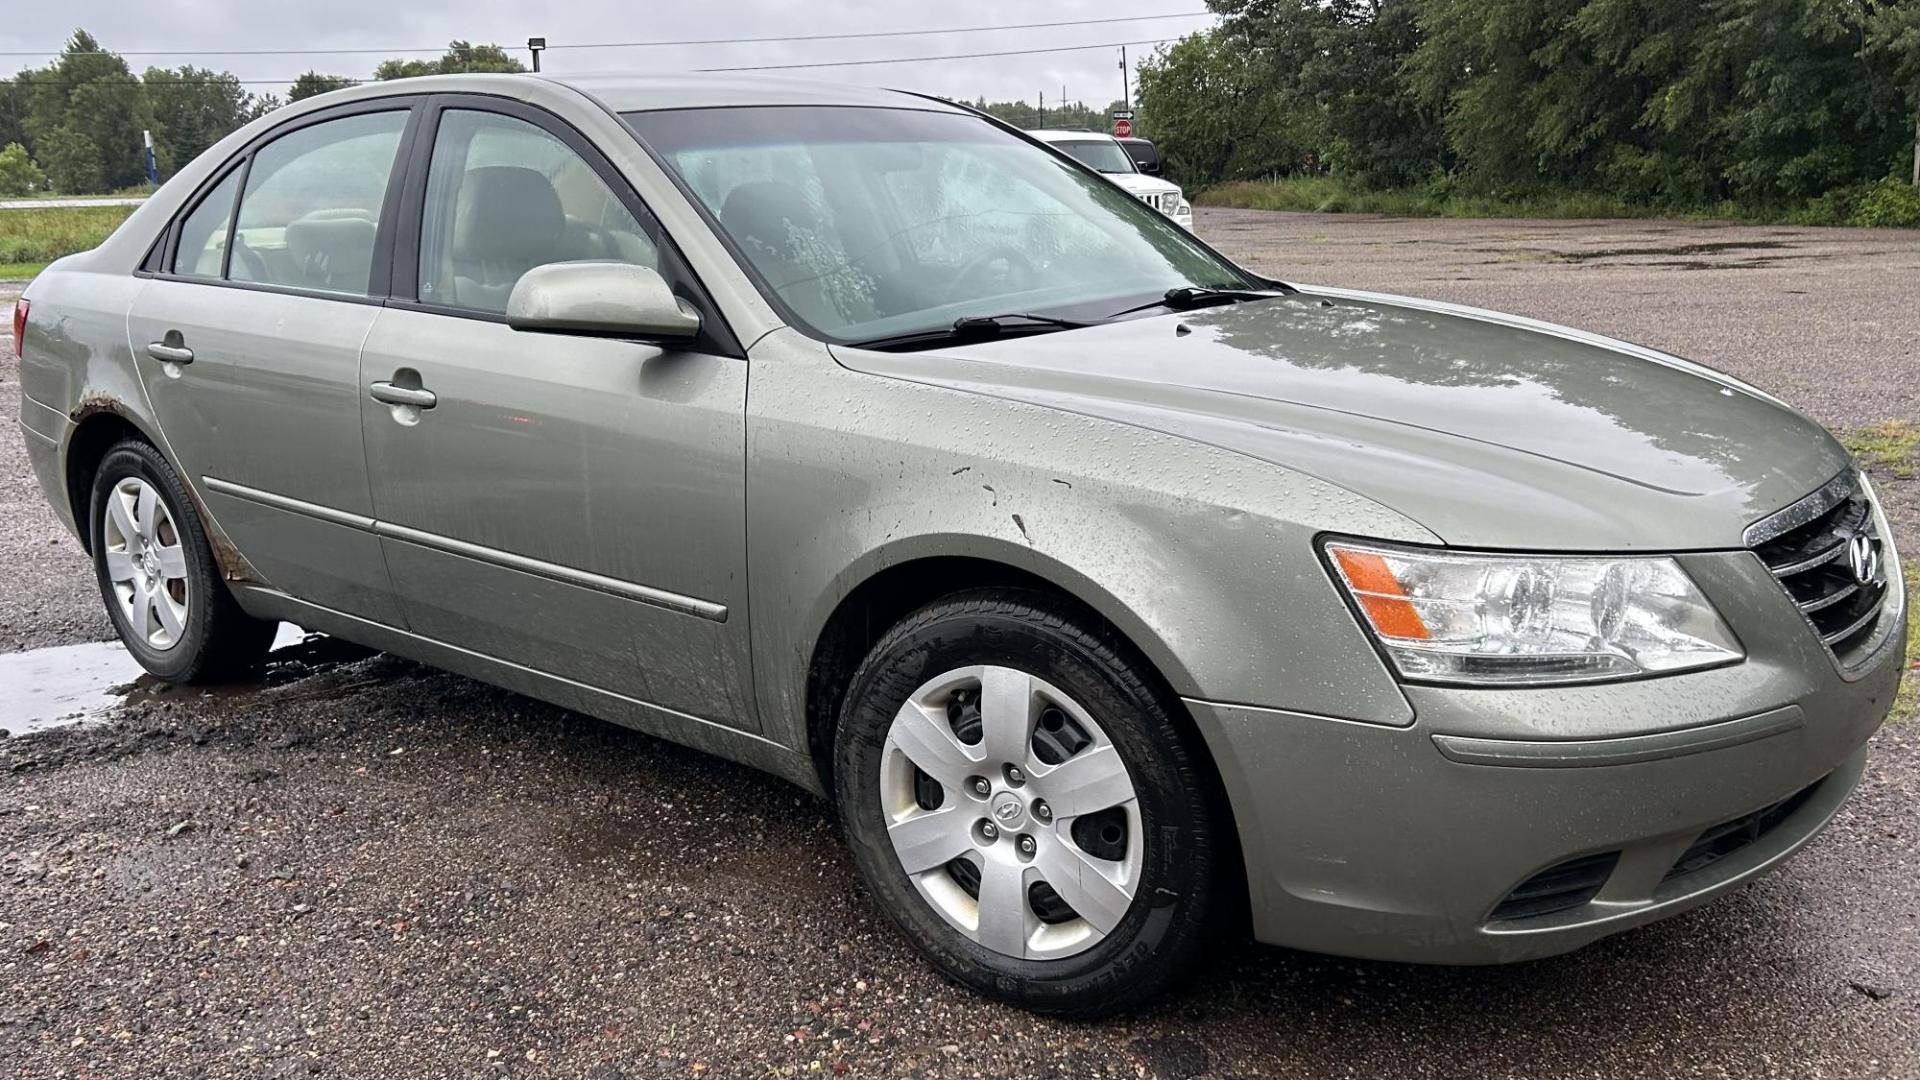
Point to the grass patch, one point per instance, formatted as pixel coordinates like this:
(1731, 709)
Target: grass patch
(20, 271)
(1333, 195)
(1868, 205)
(1893, 446)
(41, 236)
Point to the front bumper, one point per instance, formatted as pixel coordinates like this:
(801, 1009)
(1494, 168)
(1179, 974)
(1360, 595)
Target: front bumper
(1398, 843)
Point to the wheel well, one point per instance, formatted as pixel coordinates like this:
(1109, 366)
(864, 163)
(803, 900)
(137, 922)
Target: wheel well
(96, 435)
(868, 612)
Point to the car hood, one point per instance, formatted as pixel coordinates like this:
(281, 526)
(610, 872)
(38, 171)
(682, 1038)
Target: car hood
(1142, 184)
(1489, 430)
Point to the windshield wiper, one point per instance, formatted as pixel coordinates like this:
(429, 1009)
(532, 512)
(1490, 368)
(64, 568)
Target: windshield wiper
(1188, 297)
(974, 328)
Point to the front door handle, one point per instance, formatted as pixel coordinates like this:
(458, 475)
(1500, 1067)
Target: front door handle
(389, 394)
(170, 351)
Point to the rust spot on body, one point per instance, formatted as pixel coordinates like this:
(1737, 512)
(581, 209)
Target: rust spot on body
(95, 404)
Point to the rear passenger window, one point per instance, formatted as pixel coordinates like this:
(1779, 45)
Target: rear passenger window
(203, 236)
(311, 209)
(505, 196)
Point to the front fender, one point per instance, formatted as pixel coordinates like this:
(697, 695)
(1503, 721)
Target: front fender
(1203, 557)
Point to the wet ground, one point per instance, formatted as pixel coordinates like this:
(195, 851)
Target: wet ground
(356, 866)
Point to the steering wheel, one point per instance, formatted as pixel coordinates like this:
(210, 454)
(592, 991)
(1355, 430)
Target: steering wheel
(1004, 267)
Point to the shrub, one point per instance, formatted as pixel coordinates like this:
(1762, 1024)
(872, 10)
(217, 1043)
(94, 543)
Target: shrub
(1889, 204)
(73, 162)
(18, 174)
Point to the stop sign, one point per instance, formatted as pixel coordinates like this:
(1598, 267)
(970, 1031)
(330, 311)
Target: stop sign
(1122, 128)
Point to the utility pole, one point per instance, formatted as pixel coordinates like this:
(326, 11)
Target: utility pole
(1916, 148)
(1043, 108)
(536, 46)
(1126, 81)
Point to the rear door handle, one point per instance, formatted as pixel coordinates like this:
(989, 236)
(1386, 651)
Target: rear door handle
(172, 354)
(389, 394)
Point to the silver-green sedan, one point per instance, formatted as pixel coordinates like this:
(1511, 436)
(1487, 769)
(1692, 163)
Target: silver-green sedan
(1124, 601)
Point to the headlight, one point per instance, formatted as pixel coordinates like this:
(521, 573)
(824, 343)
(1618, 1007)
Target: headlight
(1518, 620)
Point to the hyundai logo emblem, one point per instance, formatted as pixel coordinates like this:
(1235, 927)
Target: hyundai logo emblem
(1863, 558)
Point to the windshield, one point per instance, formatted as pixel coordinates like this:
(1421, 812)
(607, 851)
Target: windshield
(866, 223)
(1100, 154)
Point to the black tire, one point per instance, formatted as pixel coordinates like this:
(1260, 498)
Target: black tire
(1179, 901)
(218, 640)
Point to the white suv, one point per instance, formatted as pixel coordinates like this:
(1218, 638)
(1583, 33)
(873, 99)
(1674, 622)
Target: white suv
(1104, 153)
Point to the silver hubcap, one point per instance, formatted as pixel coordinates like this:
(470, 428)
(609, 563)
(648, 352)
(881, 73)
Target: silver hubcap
(145, 563)
(998, 854)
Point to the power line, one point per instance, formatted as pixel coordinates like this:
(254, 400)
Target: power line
(43, 81)
(925, 59)
(881, 33)
(237, 52)
(622, 44)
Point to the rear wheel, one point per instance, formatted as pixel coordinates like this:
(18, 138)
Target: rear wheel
(1024, 807)
(156, 571)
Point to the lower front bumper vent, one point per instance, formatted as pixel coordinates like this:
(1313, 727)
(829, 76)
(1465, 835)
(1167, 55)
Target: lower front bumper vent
(1724, 839)
(1559, 887)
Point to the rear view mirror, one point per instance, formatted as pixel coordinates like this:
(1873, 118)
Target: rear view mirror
(615, 299)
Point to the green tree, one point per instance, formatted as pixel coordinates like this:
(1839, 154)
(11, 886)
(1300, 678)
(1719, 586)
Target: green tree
(13, 112)
(1893, 39)
(193, 108)
(18, 174)
(1303, 80)
(461, 56)
(1220, 111)
(93, 97)
(73, 162)
(314, 83)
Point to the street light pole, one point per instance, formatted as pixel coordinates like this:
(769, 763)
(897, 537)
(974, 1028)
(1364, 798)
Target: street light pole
(536, 46)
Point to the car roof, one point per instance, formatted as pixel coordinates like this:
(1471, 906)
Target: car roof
(640, 93)
(1057, 135)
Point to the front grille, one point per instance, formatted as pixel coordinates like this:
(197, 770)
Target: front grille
(1161, 202)
(1809, 547)
(1558, 887)
(1723, 840)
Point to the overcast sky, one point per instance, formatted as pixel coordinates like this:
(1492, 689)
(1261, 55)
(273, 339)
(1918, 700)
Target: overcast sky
(198, 27)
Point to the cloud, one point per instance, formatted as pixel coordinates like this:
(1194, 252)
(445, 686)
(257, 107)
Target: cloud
(196, 26)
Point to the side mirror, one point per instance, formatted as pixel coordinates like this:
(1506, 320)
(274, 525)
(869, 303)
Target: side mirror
(615, 299)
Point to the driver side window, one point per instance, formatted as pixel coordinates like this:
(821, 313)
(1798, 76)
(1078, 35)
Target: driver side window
(504, 196)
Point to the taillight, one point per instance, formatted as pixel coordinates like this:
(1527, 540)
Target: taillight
(20, 326)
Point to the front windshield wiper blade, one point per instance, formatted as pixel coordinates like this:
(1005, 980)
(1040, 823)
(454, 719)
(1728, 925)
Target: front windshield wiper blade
(973, 328)
(1187, 297)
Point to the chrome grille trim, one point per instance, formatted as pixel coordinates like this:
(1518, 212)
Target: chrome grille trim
(1851, 628)
(1824, 498)
(1812, 563)
(1803, 547)
(1828, 600)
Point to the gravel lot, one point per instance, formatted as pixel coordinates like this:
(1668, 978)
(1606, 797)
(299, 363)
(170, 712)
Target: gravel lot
(360, 867)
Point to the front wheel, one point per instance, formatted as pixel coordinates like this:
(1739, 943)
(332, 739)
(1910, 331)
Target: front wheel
(156, 572)
(1024, 807)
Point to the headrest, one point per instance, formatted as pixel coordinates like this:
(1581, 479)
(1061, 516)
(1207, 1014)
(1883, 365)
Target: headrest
(507, 212)
(765, 212)
(333, 248)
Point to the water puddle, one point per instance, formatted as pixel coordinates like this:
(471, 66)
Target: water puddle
(74, 684)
